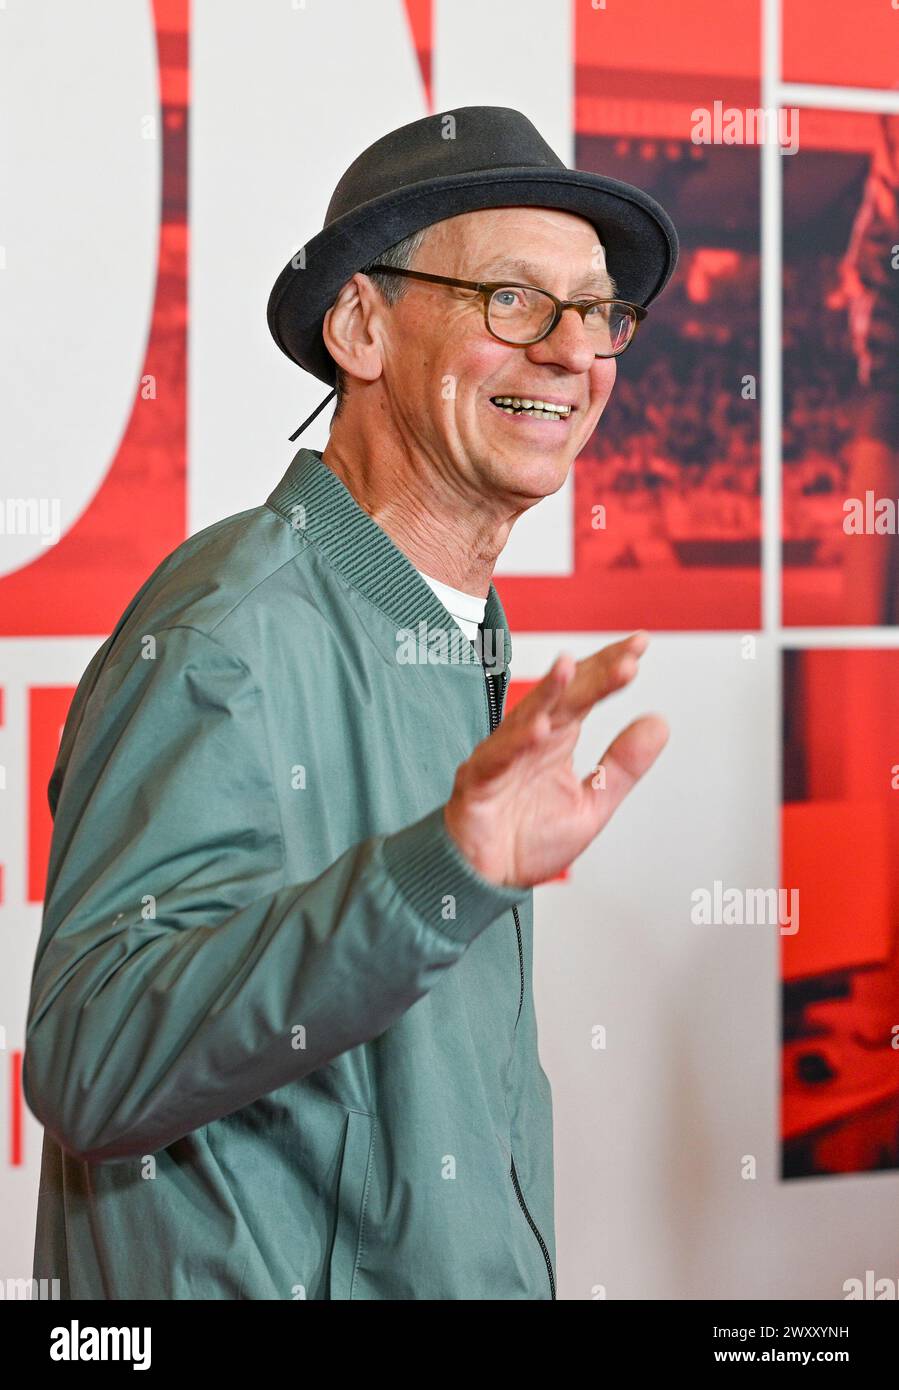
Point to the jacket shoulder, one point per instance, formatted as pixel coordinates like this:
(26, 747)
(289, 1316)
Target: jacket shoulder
(244, 574)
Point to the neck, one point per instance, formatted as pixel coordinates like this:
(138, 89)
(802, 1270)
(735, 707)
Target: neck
(438, 518)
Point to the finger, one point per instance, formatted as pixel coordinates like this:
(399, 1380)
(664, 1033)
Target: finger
(627, 758)
(546, 694)
(528, 725)
(601, 674)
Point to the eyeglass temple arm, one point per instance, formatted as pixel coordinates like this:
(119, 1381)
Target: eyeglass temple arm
(482, 285)
(421, 275)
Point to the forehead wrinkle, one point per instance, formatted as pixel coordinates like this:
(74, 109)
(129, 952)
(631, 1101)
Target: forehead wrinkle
(598, 282)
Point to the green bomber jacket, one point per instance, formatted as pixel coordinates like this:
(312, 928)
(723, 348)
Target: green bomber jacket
(281, 1034)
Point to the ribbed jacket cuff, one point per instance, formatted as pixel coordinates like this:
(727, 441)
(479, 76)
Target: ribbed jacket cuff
(434, 876)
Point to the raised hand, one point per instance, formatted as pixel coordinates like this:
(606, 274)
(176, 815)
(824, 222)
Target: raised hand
(518, 811)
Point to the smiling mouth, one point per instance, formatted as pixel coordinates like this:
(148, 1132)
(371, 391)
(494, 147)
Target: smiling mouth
(537, 409)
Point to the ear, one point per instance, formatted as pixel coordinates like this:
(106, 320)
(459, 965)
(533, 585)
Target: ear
(352, 327)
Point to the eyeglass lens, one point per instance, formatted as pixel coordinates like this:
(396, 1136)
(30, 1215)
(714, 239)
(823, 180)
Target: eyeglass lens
(520, 315)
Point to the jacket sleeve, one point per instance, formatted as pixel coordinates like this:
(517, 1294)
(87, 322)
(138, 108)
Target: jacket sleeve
(177, 978)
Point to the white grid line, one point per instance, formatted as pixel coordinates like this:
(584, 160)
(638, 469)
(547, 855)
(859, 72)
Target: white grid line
(837, 98)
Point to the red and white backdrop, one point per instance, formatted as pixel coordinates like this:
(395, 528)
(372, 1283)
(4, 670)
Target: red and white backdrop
(162, 160)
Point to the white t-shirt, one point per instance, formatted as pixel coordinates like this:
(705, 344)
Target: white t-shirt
(467, 609)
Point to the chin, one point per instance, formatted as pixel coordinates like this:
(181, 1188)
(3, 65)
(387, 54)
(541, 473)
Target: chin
(532, 472)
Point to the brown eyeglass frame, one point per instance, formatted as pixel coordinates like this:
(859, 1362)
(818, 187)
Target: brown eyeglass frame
(487, 288)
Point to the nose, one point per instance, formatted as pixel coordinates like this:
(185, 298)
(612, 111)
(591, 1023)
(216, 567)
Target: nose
(568, 345)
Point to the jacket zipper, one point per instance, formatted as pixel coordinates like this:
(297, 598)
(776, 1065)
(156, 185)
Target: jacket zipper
(494, 708)
(532, 1224)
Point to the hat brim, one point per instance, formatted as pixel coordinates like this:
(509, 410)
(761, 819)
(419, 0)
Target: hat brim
(639, 237)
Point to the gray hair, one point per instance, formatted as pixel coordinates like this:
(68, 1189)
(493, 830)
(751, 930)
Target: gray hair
(390, 287)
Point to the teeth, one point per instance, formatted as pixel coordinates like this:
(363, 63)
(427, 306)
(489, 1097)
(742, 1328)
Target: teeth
(542, 410)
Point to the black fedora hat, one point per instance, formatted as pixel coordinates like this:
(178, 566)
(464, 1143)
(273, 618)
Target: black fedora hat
(449, 163)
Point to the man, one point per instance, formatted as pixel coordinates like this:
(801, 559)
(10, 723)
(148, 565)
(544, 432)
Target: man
(281, 1032)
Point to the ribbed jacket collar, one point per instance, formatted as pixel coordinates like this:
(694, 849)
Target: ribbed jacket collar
(324, 512)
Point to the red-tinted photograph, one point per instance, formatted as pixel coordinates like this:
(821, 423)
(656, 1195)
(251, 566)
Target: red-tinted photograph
(840, 957)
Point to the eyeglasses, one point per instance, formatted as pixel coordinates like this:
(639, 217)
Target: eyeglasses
(519, 315)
